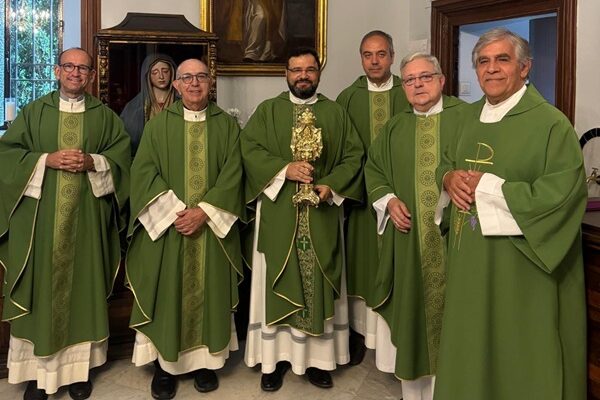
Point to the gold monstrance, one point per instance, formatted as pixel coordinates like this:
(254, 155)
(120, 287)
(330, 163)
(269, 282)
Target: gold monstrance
(306, 145)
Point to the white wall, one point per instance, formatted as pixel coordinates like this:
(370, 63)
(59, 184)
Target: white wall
(348, 21)
(587, 105)
(469, 89)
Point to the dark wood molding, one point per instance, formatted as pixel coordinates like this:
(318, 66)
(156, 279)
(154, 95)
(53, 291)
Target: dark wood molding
(448, 15)
(90, 25)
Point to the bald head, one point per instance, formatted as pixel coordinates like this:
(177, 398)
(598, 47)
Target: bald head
(191, 64)
(192, 82)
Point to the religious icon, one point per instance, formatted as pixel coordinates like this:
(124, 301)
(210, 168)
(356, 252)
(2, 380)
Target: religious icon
(306, 145)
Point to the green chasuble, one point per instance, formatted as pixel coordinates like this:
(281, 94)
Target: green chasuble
(369, 111)
(514, 319)
(61, 252)
(408, 290)
(300, 246)
(185, 287)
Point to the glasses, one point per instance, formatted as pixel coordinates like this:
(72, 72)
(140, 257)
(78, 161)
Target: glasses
(70, 67)
(423, 78)
(309, 70)
(188, 78)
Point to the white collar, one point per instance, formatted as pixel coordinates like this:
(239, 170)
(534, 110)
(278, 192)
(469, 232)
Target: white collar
(435, 109)
(297, 100)
(491, 113)
(387, 85)
(66, 104)
(194, 116)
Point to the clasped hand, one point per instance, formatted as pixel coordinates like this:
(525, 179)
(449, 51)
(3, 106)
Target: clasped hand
(71, 160)
(461, 185)
(190, 220)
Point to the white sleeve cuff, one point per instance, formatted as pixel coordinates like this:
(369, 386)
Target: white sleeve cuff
(335, 199)
(160, 214)
(276, 184)
(443, 202)
(101, 180)
(383, 216)
(494, 216)
(219, 221)
(34, 187)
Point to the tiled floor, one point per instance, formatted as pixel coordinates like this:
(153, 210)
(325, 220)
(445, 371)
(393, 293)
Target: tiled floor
(120, 380)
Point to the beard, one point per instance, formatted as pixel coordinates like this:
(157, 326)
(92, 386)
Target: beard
(304, 93)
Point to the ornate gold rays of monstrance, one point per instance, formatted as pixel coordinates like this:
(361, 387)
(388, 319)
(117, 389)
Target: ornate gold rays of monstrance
(306, 145)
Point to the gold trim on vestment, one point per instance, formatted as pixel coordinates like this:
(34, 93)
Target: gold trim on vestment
(10, 292)
(137, 217)
(381, 187)
(283, 267)
(316, 256)
(13, 211)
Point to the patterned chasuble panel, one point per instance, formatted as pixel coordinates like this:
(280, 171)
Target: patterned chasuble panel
(380, 111)
(427, 154)
(194, 246)
(68, 188)
(380, 114)
(303, 319)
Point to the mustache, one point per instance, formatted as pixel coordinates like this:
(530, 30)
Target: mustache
(303, 81)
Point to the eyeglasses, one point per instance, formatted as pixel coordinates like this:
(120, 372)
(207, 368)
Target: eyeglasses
(188, 78)
(70, 67)
(423, 78)
(309, 70)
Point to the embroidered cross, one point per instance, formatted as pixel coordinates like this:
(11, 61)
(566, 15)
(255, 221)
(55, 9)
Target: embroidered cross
(303, 243)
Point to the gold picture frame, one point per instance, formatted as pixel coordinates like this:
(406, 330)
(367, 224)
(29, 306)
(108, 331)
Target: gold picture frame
(255, 35)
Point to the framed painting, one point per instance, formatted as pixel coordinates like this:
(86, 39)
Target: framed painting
(255, 35)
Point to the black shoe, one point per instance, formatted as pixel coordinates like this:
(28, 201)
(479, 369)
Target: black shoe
(273, 381)
(33, 393)
(164, 385)
(205, 380)
(80, 390)
(319, 378)
(357, 348)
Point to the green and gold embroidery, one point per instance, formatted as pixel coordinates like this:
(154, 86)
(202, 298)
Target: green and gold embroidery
(306, 261)
(470, 216)
(380, 111)
(68, 187)
(194, 246)
(427, 154)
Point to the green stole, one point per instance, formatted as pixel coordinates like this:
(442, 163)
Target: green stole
(68, 188)
(379, 108)
(310, 275)
(194, 246)
(427, 152)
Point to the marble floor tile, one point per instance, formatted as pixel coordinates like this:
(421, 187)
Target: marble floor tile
(121, 380)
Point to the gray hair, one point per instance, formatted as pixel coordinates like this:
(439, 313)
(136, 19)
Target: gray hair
(382, 34)
(520, 45)
(425, 56)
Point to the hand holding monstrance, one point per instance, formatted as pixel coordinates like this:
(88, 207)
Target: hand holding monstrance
(306, 145)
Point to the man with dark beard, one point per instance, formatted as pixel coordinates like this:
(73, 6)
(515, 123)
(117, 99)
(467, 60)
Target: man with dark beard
(298, 308)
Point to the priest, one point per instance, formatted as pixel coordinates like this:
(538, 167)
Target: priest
(298, 310)
(514, 318)
(65, 180)
(408, 289)
(370, 101)
(184, 259)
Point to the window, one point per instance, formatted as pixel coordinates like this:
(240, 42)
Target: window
(31, 38)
